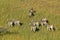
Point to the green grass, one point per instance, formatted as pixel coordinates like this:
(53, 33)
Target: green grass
(18, 9)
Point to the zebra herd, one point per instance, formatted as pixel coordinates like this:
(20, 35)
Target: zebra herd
(43, 22)
(34, 25)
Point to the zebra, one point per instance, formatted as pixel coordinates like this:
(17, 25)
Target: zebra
(44, 21)
(34, 26)
(31, 12)
(35, 23)
(17, 22)
(11, 23)
(50, 27)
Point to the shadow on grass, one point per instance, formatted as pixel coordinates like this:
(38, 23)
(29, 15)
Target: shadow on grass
(7, 32)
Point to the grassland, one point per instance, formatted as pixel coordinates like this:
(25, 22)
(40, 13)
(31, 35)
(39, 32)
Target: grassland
(18, 9)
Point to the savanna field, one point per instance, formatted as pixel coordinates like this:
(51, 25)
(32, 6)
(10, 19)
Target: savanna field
(18, 9)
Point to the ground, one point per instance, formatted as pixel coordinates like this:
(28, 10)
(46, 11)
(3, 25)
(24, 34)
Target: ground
(18, 9)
